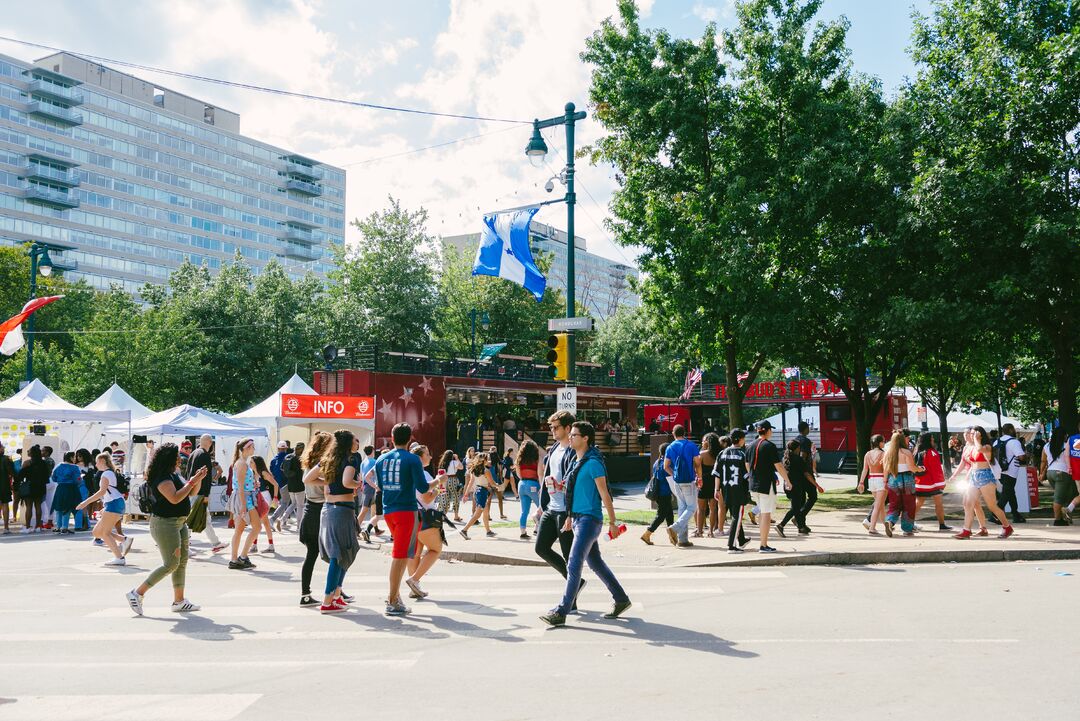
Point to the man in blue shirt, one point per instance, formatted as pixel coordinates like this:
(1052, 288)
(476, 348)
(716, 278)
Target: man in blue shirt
(587, 497)
(400, 476)
(365, 495)
(682, 463)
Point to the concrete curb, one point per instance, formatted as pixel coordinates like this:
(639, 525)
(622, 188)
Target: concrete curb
(832, 558)
(856, 558)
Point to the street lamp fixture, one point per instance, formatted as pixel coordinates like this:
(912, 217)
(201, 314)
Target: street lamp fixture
(537, 149)
(40, 262)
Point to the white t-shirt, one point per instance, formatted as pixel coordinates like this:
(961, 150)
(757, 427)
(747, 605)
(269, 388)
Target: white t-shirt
(453, 467)
(555, 459)
(1061, 463)
(420, 496)
(1013, 450)
(112, 494)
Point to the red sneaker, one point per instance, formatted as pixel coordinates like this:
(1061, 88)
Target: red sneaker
(963, 535)
(340, 602)
(332, 608)
(1006, 532)
(983, 532)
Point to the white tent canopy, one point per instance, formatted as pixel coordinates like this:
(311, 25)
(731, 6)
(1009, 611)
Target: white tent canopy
(117, 399)
(188, 420)
(36, 402)
(268, 415)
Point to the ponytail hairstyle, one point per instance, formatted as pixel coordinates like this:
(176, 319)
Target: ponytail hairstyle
(238, 451)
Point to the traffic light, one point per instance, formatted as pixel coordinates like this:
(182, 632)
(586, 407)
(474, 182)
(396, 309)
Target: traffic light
(559, 356)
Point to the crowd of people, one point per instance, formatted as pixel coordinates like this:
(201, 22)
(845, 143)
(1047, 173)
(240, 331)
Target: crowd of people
(337, 493)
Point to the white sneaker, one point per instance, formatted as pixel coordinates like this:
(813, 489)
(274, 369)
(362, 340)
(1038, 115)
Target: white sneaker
(269, 549)
(126, 546)
(185, 606)
(25, 531)
(135, 601)
(866, 524)
(116, 562)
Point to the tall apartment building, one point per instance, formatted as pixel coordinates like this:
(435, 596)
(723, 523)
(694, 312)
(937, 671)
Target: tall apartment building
(125, 180)
(600, 285)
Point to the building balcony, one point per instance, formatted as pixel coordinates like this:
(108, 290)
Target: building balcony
(50, 196)
(302, 171)
(44, 156)
(302, 235)
(299, 251)
(69, 96)
(33, 171)
(64, 115)
(302, 186)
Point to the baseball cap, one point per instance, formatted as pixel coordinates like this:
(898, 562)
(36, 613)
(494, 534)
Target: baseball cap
(186, 444)
(764, 426)
(282, 445)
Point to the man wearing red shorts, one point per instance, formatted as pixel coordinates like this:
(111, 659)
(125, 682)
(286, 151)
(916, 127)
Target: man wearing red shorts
(400, 476)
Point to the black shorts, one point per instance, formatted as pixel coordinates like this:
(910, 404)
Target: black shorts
(708, 489)
(378, 503)
(927, 494)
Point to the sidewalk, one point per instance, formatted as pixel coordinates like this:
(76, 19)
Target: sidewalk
(838, 538)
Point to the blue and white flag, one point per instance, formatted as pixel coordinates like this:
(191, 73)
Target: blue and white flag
(504, 251)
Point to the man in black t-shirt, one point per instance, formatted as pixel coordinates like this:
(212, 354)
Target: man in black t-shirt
(203, 457)
(763, 462)
(733, 487)
(806, 489)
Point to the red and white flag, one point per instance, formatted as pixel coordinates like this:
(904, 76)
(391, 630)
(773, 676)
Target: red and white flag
(693, 377)
(740, 377)
(11, 335)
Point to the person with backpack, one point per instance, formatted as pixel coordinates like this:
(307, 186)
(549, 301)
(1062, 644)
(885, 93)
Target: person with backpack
(171, 503)
(114, 508)
(661, 494)
(682, 462)
(292, 496)
(1012, 458)
(280, 492)
(1054, 468)
(199, 520)
(733, 484)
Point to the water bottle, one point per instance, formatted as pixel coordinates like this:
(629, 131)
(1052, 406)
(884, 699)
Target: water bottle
(622, 530)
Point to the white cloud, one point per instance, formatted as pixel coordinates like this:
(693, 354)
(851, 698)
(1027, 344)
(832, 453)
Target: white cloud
(712, 13)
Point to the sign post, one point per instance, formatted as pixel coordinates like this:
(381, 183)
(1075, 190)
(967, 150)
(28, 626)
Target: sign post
(566, 400)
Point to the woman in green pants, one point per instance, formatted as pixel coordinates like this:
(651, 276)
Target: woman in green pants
(168, 525)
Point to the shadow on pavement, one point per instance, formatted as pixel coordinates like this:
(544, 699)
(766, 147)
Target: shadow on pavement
(203, 628)
(660, 634)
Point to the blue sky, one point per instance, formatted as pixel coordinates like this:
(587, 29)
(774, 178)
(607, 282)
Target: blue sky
(496, 58)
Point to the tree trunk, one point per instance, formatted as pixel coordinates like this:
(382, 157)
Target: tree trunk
(864, 423)
(1065, 379)
(943, 429)
(731, 373)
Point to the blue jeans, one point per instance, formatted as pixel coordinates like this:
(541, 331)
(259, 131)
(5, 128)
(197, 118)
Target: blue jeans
(686, 497)
(335, 576)
(586, 549)
(529, 493)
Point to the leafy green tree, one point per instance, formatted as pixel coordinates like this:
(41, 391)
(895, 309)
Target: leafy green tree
(630, 340)
(668, 111)
(997, 92)
(384, 292)
(515, 317)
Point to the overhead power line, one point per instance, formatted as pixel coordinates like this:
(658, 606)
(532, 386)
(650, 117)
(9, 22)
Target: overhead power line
(264, 89)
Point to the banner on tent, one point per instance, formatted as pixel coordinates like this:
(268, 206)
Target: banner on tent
(346, 407)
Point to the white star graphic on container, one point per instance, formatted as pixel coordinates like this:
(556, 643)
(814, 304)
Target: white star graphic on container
(386, 410)
(426, 385)
(406, 396)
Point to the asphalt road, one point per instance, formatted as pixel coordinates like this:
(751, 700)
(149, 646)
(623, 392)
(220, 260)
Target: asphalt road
(989, 641)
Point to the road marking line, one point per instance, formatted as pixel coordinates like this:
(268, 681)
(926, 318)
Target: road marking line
(450, 593)
(129, 707)
(246, 663)
(234, 613)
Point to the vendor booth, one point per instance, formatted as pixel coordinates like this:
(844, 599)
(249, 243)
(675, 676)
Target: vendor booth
(280, 425)
(185, 421)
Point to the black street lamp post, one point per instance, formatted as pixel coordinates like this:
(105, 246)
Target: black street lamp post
(39, 262)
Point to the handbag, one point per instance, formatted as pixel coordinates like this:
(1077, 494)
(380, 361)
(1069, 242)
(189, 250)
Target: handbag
(650, 487)
(196, 519)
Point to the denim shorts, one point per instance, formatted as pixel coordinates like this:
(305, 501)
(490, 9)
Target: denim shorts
(482, 495)
(117, 505)
(982, 477)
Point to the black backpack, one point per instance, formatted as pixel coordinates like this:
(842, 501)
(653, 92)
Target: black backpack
(144, 498)
(123, 485)
(1002, 454)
